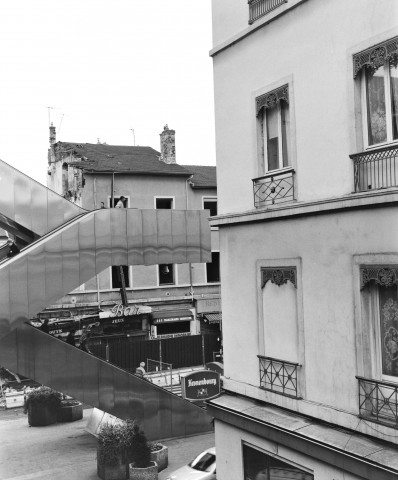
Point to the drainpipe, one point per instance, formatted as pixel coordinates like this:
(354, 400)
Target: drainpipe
(113, 188)
(190, 264)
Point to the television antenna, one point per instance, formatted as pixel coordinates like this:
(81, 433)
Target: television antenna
(132, 129)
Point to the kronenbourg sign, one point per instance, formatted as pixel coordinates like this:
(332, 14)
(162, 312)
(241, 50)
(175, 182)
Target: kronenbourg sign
(200, 385)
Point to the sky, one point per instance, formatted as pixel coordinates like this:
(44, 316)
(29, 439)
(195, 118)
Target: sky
(114, 71)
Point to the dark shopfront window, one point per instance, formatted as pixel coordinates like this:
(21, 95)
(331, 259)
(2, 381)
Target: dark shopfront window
(173, 327)
(260, 466)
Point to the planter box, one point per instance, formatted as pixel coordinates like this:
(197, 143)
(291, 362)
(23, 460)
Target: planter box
(41, 415)
(161, 457)
(70, 413)
(148, 473)
(119, 471)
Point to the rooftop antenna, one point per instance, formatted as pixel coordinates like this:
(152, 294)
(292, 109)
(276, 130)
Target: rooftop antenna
(132, 129)
(49, 114)
(60, 123)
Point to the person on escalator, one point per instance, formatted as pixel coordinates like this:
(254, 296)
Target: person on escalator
(44, 326)
(71, 338)
(13, 249)
(84, 339)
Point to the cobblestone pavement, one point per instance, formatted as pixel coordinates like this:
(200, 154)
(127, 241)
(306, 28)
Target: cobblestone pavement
(66, 451)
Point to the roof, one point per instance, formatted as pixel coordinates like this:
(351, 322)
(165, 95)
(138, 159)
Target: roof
(102, 158)
(203, 176)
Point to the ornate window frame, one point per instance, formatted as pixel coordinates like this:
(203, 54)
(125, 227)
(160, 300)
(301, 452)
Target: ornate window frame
(374, 57)
(280, 271)
(371, 269)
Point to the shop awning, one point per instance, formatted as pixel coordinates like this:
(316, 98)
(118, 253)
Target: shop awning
(169, 316)
(213, 317)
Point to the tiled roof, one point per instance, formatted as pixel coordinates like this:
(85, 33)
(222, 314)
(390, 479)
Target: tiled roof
(119, 158)
(203, 176)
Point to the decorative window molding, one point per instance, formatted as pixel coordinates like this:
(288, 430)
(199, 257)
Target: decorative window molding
(279, 276)
(271, 99)
(376, 56)
(385, 276)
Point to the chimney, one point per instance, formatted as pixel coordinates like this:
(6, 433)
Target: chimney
(52, 134)
(168, 145)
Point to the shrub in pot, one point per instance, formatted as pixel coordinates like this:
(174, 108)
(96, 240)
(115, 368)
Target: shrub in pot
(70, 411)
(41, 405)
(114, 450)
(160, 455)
(141, 466)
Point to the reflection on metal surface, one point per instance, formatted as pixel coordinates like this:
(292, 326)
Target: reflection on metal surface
(95, 382)
(26, 205)
(56, 264)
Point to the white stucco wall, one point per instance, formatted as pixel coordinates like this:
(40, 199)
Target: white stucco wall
(311, 47)
(230, 458)
(324, 247)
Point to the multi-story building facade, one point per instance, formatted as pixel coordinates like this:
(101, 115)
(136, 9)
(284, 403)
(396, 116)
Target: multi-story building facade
(180, 299)
(306, 101)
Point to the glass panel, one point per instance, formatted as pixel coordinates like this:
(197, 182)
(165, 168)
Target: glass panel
(394, 100)
(376, 103)
(260, 466)
(285, 133)
(166, 274)
(388, 301)
(204, 462)
(272, 138)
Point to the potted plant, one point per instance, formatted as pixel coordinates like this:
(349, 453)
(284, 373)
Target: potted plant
(114, 450)
(70, 411)
(41, 405)
(141, 466)
(160, 455)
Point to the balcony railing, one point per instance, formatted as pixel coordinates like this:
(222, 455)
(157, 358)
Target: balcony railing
(259, 8)
(274, 188)
(378, 401)
(376, 169)
(279, 376)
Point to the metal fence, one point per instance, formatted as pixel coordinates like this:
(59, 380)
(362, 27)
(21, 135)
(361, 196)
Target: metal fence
(375, 169)
(259, 8)
(378, 401)
(279, 376)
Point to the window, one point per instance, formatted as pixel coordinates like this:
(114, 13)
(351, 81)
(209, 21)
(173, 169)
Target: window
(273, 120)
(164, 203)
(379, 92)
(210, 204)
(117, 276)
(166, 274)
(259, 465)
(213, 268)
(380, 295)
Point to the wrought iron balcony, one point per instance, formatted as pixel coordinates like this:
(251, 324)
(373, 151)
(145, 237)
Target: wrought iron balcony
(378, 401)
(376, 169)
(259, 8)
(279, 376)
(274, 188)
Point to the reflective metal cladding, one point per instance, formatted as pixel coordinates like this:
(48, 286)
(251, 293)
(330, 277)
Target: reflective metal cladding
(64, 259)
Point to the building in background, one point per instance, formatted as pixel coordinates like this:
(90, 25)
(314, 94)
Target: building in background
(160, 300)
(306, 102)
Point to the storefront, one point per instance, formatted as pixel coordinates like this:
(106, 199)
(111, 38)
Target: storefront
(131, 320)
(173, 323)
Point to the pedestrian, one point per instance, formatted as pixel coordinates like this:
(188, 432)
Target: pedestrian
(44, 326)
(120, 203)
(84, 339)
(12, 248)
(140, 371)
(71, 338)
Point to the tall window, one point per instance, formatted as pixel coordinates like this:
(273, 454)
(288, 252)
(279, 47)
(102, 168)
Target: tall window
(117, 278)
(379, 91)
(213, 268)
(166, 274)
(380, 295)
(274, 128)
(124, 200)
(259, 465)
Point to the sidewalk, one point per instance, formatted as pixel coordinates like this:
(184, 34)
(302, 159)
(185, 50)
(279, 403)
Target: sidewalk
(66, 451)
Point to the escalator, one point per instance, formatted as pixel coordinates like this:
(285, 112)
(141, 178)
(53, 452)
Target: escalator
(67, 251)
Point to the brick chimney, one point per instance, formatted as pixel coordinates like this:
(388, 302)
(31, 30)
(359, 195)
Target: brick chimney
(168, 145)
(53, 138)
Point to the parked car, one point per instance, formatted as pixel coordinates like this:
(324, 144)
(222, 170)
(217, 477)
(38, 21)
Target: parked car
(202, 467)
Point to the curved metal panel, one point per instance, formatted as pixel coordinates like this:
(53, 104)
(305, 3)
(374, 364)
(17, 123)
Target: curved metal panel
(135, 249)
(150, 236)
(165, 236)
(86, 235)
(70, 258)
(103, 241)
(118, 226)
(36, 280)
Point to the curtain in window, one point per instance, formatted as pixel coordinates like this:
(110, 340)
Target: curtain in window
(376, 100)
(388, 304)
(394, 99)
